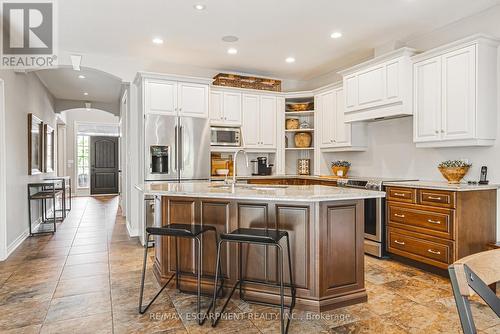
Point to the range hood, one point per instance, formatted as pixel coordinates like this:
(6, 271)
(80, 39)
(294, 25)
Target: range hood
(380, 88)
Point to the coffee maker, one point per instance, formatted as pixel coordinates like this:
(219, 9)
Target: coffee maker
(262, 167)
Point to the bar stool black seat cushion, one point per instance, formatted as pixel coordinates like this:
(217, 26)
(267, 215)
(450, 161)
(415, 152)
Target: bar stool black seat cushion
(180, 230)
(254, 235)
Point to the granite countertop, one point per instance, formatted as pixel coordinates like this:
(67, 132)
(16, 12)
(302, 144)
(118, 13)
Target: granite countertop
(443, 185)
(283, 176)
(257, 192)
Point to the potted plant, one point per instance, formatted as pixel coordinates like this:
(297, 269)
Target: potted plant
(340, 168)
(454, 170)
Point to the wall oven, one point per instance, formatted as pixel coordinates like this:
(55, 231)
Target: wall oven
(225, 136)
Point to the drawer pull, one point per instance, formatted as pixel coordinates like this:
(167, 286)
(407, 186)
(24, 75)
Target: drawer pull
(399, 242)
(399, 194)
(434, 252)
(435, 198)
(437, 222)
(398, 215)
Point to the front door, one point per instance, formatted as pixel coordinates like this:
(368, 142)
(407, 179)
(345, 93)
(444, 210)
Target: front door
(103, 165)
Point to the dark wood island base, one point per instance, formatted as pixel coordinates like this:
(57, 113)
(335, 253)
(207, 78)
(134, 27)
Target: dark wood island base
(326, 239)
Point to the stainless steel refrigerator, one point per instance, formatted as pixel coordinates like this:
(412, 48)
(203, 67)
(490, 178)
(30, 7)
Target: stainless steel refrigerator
(176, 148)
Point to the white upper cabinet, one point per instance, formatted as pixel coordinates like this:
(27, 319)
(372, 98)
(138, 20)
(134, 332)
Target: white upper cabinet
(334, 133)
(455, 94)
(268, 121)
(259, 121)
(427, 119)
(379, 88)
(225, 108)
(175, 98)
(193, 99)
(161, 97)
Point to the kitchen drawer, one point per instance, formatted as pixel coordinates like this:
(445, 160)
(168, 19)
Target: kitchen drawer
(406, 195)
(418, 247)
(444, 199)
(438, 222)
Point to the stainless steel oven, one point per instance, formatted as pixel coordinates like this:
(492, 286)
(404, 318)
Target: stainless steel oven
(225, 136)
(374, 215)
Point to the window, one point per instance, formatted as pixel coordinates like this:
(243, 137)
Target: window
(82, 160)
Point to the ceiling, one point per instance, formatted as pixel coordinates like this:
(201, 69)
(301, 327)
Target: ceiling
(269, 31)
(64, 84)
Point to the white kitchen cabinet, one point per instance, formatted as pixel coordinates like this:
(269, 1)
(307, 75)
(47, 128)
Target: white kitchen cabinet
(161, 97)
(193, 99)
(259, 121)
(268, 121)
(379, 88)
(175, 98)
(225, 108)
(455, 94)
(335, 134)
(427, 119)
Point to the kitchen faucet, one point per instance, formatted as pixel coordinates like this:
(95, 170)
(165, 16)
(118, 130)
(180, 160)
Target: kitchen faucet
(235, 163)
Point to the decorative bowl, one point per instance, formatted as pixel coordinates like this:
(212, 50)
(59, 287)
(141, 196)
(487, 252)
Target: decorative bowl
(453, 174)
(222, 171)
(299, 106)
(340, 171)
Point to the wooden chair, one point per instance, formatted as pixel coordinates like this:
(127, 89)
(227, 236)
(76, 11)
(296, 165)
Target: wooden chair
(472, 275)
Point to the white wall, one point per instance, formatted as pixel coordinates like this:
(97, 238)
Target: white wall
(24, 94)
(81, 115)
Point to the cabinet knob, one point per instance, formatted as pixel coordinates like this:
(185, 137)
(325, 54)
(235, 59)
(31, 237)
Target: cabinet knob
(436, 131)
(442, 131)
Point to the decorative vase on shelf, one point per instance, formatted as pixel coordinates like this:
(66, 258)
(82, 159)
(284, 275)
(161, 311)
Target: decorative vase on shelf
(302, 139)
(454, 170)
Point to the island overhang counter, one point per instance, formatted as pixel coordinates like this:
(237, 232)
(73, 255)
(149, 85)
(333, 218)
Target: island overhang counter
(325, 224)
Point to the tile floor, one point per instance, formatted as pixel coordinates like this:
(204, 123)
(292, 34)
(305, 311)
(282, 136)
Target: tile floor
(85, 279)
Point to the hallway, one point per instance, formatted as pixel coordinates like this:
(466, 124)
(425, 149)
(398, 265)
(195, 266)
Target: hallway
(85, 279)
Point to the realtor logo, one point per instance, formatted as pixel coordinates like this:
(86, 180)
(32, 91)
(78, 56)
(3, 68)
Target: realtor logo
(28, 32)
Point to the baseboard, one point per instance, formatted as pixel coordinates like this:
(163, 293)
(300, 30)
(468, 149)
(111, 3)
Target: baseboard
(131, 232)
(16, 243)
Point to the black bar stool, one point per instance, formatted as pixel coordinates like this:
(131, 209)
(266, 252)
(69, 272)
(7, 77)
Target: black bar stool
(258, 237)
(181, 231)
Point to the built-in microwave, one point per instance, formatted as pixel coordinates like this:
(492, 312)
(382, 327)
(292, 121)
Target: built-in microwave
(225, 136)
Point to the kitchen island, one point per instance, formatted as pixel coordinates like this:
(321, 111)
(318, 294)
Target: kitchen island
(325, 225)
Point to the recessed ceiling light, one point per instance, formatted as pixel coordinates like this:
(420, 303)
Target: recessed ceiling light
(81, 76)
(199, 6)
(157, 40)
(85, 93)
(290, 60)
(230, 39)
(336, 34)
(232, 51)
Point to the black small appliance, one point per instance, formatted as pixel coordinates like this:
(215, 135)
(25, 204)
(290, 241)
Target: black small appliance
(262, 167)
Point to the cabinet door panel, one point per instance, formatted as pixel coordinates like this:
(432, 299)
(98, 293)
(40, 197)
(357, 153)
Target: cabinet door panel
(427, 76)
(215, 111)
(342, 135)
(232, 108)
(268, 121)
(327, 109)
(371, 86)
(458, 117)
(351, 86)
(250, 127)
(193, 100)
(160, 97)
(392, 81)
